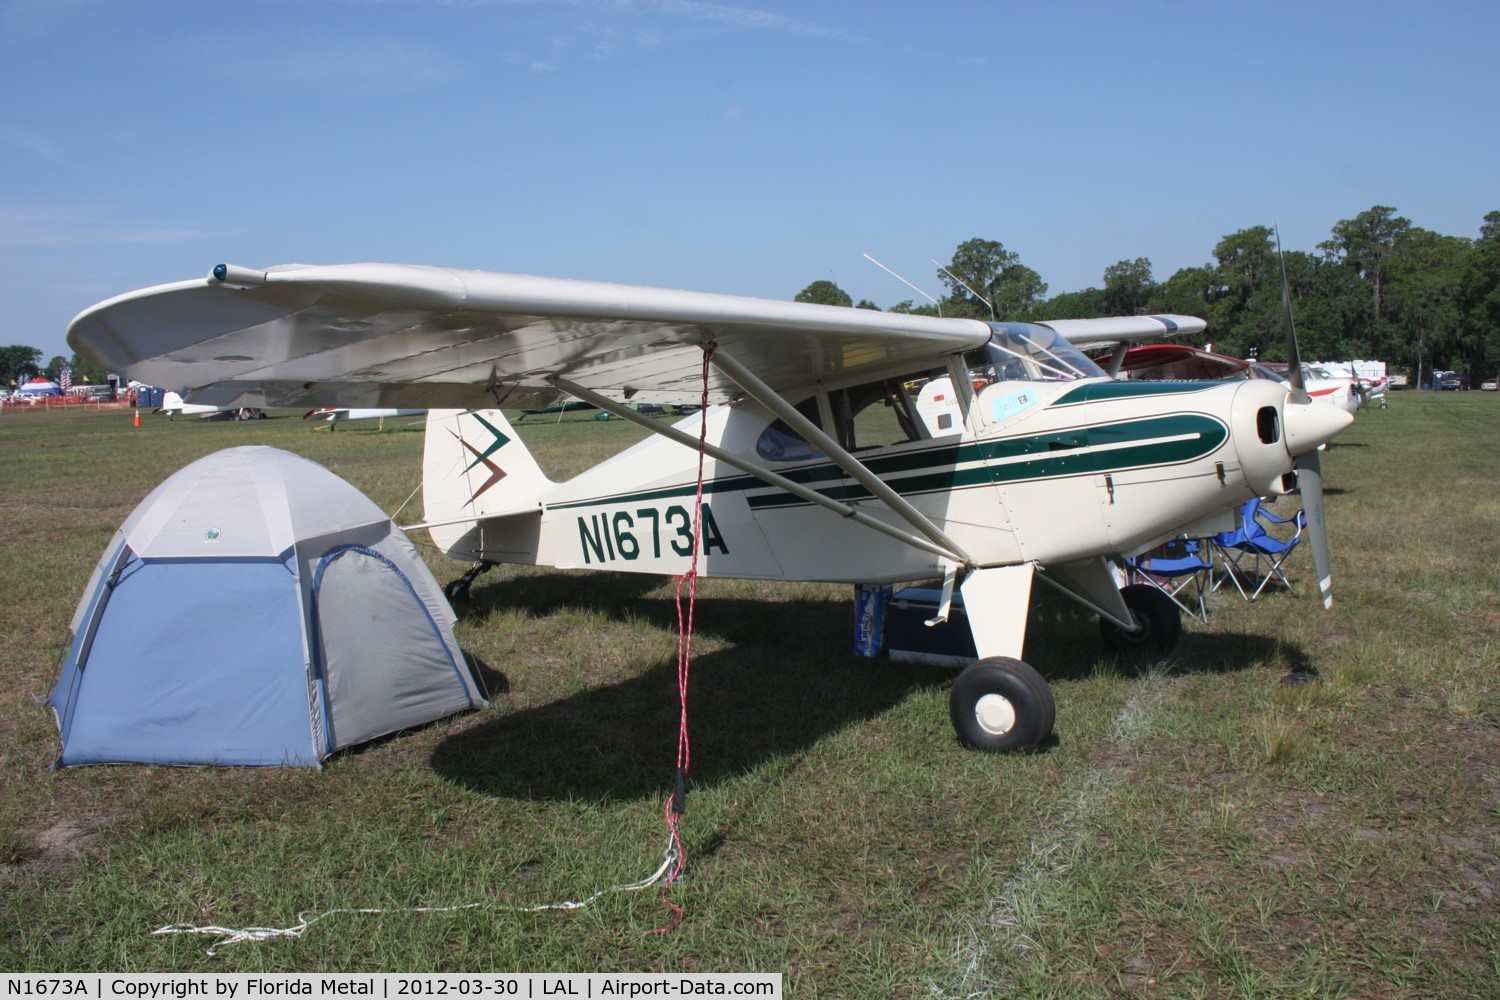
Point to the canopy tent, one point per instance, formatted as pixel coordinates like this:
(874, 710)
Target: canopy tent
(41, 387)
(255, 609)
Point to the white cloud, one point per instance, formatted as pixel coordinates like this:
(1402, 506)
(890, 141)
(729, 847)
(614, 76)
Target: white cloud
(748, 18)
(34, 144)
(357, 66)
(70, 227)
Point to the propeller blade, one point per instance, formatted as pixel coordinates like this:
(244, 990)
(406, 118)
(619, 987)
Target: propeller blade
(1310, 485)
(1309, 467)
(1293, 356)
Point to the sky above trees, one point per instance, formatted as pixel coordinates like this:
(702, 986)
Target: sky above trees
(724, 147)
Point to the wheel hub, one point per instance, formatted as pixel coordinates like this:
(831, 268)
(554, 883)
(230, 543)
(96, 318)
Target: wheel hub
(995, 714)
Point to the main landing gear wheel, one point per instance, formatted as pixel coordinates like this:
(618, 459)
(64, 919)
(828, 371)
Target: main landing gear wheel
(1001, 705)
(1158, 623)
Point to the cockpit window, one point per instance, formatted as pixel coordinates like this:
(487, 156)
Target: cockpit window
(873, 415)
(1033, 353)
(925, 405)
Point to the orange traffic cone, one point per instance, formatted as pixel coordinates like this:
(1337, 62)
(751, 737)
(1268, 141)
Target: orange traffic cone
(138, 416)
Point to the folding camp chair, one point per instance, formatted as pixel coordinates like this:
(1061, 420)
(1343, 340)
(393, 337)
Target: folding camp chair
(1182, 569)
(1251, 556)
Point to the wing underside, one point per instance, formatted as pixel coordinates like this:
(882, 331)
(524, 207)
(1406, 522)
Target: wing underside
(381, 335)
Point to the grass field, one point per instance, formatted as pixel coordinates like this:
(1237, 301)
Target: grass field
(1199, 831)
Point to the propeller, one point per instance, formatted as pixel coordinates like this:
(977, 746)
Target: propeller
(1308, 465)
(1357, 387)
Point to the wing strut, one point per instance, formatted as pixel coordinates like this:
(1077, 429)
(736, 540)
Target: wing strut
(772, 400)
(754, 469)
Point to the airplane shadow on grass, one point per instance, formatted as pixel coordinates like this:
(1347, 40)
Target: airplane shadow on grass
(787, 680)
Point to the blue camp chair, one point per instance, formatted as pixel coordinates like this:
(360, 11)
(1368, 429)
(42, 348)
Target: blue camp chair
(1251, 555)
(1182, 569)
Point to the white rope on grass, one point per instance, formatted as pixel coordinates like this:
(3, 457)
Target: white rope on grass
(1017, 906)
(237, 935)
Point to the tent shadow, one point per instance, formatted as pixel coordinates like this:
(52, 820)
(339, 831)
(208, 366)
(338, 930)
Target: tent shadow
(491, 681)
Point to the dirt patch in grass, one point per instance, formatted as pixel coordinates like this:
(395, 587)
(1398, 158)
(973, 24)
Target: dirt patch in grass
(66, 833)
(1479, 624)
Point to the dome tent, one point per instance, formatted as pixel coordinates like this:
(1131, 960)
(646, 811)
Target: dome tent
(255, 609)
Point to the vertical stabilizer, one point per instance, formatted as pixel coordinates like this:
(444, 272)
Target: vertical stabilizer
(474, 466)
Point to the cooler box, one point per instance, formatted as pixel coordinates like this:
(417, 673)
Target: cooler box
(908, 638)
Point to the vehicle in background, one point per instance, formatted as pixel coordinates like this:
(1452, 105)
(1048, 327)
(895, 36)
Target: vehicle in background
(1488, 385)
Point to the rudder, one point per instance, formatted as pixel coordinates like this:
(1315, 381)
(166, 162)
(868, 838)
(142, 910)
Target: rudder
(475, 466)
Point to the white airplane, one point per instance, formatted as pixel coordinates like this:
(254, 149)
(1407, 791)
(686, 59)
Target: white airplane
(1361, 391)
(332, 415)
(1344, 392)
(817, 464)
(172, 404)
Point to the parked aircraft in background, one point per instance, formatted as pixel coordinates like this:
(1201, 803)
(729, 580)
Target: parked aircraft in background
(815, 461)
(173, 404)
(333, 415)
(1177, 361)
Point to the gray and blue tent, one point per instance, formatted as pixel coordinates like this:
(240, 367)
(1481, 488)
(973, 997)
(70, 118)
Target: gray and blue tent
(255, 609)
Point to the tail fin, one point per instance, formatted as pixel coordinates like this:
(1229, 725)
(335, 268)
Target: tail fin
(475, 466)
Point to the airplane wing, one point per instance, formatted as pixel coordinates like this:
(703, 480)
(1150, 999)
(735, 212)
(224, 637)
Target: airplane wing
(1089, 333)
(385, 335)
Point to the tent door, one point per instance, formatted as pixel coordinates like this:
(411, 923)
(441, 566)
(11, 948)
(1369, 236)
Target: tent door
(380, 657)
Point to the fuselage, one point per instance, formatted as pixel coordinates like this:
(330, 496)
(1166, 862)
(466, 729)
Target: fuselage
(1047, 472)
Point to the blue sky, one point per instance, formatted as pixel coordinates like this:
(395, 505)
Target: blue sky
(744, 148)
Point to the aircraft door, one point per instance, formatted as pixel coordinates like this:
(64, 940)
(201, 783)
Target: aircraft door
(1040, 459)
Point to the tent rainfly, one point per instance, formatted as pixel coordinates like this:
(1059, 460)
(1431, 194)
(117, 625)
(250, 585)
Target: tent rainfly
(255, 609)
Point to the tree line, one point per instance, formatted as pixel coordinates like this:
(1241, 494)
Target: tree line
(1379, 288)
(19, 363)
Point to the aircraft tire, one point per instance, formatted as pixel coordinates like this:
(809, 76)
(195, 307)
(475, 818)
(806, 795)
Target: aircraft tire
(1001, 705)
(1159, 618)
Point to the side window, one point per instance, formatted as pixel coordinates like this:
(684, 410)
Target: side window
(877, 414)
(779, 443)
(874, 415)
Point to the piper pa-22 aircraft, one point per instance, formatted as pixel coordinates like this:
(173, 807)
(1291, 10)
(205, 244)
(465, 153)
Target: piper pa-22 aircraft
(817, 464)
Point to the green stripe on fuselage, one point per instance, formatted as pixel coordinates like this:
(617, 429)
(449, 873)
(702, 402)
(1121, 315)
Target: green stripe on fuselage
(1101, 392)
(1127, 444)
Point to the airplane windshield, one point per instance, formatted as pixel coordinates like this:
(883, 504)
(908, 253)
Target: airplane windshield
(1033, 353)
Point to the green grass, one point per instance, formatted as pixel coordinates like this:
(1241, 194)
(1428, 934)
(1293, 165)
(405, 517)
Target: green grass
(1199, 831)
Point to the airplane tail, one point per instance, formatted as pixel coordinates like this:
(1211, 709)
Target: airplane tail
(474, 467)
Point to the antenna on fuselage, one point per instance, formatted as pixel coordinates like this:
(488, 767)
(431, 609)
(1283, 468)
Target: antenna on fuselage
(908, 284)
(966, 288)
